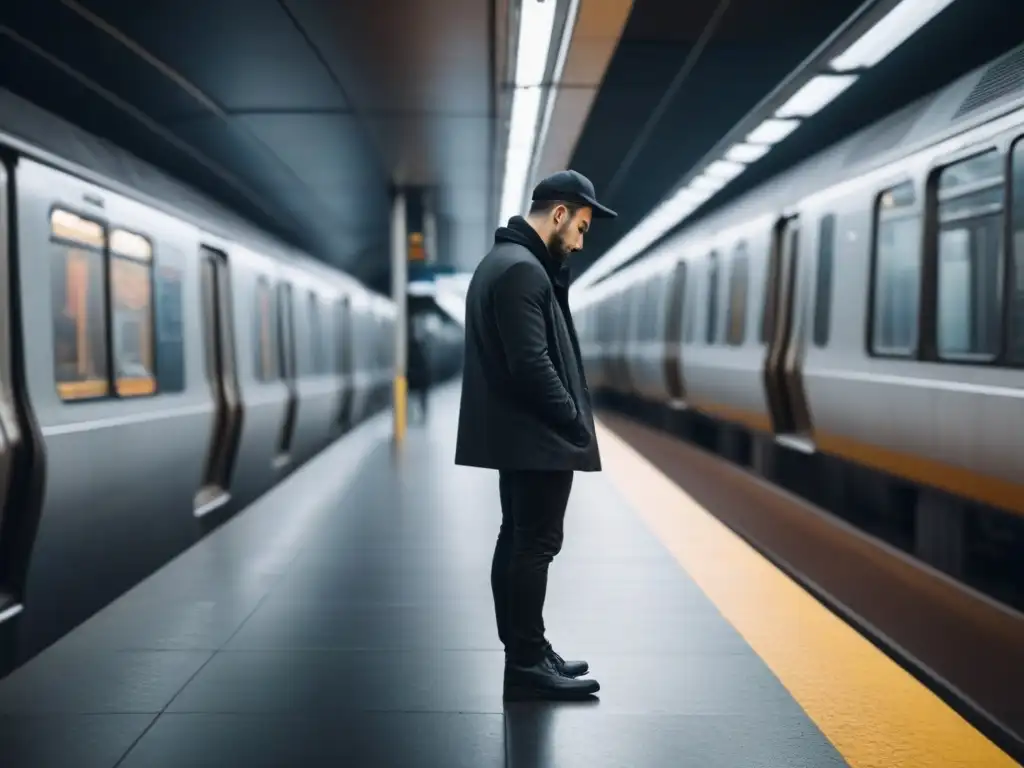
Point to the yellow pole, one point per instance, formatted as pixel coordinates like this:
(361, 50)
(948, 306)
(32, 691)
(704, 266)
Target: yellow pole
(399, 281)
(401, 403)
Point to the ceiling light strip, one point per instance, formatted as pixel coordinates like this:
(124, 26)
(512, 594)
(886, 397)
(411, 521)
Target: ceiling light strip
(816, 94)
(889, 33)
(556, 78)
(535, 26)
(819, 91)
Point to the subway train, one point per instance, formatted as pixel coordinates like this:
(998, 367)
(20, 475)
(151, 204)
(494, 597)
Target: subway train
(162, 364)
(865, 306)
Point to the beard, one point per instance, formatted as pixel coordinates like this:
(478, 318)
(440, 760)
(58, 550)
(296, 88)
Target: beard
(556, 243)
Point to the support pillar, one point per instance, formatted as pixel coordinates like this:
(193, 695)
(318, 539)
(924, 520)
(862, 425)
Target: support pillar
(399, 282)
(430, 227)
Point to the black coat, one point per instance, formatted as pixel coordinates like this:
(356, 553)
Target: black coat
(525, 400)
(417, 369)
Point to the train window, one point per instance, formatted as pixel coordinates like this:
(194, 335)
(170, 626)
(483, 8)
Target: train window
(131, 281)
(317, 352)
(170, 331)
(1015, 340)
(327, 318)
(649, 329)
(766, 320)
(711, 329)
(676, 300)
(736, 324)
(285, 332)
(385, 343)
(79, 306)
(691, 310)
(627, 299)
(266, 361)
(342, 336)
(823, 289)
(897, 272)
(970, 265)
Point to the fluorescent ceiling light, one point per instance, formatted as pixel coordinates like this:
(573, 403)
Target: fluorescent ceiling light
(657, 223)
(535, 25)
(772, 131)
(710, 183)
(815, 95)
(891, 31)
(725, 169)
(809, 99)
(518, 154)
(569, 25)
(746, 153)
(681, 211)
(703, 195)
(685, 197)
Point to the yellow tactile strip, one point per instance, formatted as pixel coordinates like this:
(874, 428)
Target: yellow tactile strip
(875, 713)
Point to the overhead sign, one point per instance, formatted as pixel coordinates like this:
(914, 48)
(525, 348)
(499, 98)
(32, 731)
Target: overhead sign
(416, 250)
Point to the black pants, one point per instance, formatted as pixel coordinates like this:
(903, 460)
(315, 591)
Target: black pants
(421, 393)
(532, 515)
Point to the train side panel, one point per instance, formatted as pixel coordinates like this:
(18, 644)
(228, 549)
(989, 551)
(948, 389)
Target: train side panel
(317, 384)
(945, 425)
(365, 331)
(255, 310)
(101, 529)
(723, 362)
(916, 368)
(647, 361)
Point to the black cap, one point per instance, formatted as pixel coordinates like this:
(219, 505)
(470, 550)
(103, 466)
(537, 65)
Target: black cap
(572, 187)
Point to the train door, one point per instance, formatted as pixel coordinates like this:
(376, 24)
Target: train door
(21, 446)
(221, 373)
(344, 361)
(630, 302)
(286, 345)
(674, 333)
(784, 333)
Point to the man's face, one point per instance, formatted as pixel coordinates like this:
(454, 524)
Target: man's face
(568, 230)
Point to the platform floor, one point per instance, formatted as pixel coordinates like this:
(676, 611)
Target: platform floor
(346, 619)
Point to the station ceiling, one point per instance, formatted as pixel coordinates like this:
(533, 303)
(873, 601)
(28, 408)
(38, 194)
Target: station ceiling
(636, 149)
(300, 114)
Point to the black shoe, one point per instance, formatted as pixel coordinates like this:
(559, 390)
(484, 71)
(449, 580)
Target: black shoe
(544, 681)
(567, 668)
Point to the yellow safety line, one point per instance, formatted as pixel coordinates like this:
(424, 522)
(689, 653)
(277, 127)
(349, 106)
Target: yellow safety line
(875, 713)
(400, 405)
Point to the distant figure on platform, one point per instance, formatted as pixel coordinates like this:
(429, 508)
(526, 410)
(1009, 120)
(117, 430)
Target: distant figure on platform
(526, 412)
(418, 365)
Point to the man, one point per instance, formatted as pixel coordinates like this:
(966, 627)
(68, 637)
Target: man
(526, 412)
(418, 364)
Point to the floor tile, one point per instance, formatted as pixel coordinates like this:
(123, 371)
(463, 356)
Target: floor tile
(344, 681)
(296, 625)
(582, 737)
(61, 680)
(68, 741)
(370, 740)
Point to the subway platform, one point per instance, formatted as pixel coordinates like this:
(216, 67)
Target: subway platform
(345, 619)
